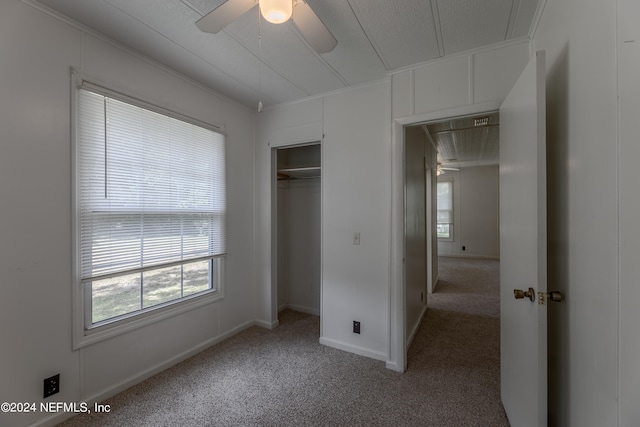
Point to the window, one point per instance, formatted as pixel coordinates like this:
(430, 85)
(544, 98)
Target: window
(150, 200)
(445, 210)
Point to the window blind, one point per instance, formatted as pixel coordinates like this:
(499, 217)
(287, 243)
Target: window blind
(445, 202)
(152, 188)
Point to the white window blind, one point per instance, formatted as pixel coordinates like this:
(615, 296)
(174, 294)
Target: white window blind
(445, 202)
(444, 217)
(151, 188)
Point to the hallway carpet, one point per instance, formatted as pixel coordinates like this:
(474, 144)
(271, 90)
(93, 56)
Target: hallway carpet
(284, 377)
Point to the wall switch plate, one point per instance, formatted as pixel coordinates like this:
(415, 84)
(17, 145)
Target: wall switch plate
(356, 238)
(356, 327)
(51, 385)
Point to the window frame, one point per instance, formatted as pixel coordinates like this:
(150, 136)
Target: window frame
(84, 331)
(450, 238)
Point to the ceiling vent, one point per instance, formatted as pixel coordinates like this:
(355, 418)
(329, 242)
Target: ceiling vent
(481, 121)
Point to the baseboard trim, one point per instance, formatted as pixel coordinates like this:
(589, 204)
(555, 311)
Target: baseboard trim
(435, 284)
(156, 369)
(495, 258)
(301, 309)
(267, 325)
(415, 328)
(353, 349)
(169, 363)
(392, 366)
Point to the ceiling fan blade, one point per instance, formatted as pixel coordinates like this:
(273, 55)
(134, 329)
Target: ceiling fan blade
(223, 15)
(312, 28)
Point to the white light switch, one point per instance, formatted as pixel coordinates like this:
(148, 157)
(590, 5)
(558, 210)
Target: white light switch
(356, 238)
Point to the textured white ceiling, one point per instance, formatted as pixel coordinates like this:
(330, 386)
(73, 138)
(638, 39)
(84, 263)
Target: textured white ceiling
(468, 24)
(462, 142)
(374, 37)
(413, 41)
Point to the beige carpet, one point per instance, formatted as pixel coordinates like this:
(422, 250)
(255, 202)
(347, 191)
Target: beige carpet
(285, 377)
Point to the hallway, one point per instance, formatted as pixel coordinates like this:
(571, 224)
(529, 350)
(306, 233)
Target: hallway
(458, 342)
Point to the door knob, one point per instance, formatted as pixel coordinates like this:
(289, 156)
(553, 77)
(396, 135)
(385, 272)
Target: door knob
(520, 294)
(555, 296)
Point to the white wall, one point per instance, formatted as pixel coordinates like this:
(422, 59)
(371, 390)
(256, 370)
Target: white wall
(629, 232)
(471, 78)
(582, 159)
(35, 189)
(356, 198)
(476, 219)
(299, 217)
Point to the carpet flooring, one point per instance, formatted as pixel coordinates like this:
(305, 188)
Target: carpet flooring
(284, 377)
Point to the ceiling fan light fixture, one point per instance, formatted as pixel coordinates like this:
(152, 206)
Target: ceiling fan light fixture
(276, 11)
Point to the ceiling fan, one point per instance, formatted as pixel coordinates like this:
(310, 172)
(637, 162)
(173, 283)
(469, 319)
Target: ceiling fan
(277, 12)
(440, 170)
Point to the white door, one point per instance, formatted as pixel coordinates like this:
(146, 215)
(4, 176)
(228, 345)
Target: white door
(523, 248)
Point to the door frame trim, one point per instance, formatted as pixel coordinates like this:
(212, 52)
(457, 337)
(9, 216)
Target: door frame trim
(397, 308)
(273, 169)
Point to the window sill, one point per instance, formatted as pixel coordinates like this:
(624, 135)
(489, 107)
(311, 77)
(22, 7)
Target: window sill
(88, 337)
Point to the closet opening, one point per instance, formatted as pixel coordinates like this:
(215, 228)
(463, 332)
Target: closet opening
(297, 227)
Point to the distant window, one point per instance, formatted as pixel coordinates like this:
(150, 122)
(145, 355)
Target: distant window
(151, 208)
(445, 210)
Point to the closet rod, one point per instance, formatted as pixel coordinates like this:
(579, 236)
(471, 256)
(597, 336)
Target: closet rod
(294, 178)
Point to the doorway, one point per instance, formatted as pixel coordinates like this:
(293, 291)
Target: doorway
(297, 213)
(461, 155)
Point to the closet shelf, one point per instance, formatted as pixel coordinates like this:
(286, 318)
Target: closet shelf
(299, 173)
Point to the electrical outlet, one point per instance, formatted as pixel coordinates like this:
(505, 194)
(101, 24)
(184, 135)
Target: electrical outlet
(464, 248)
(356, 327)
(51, 385)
